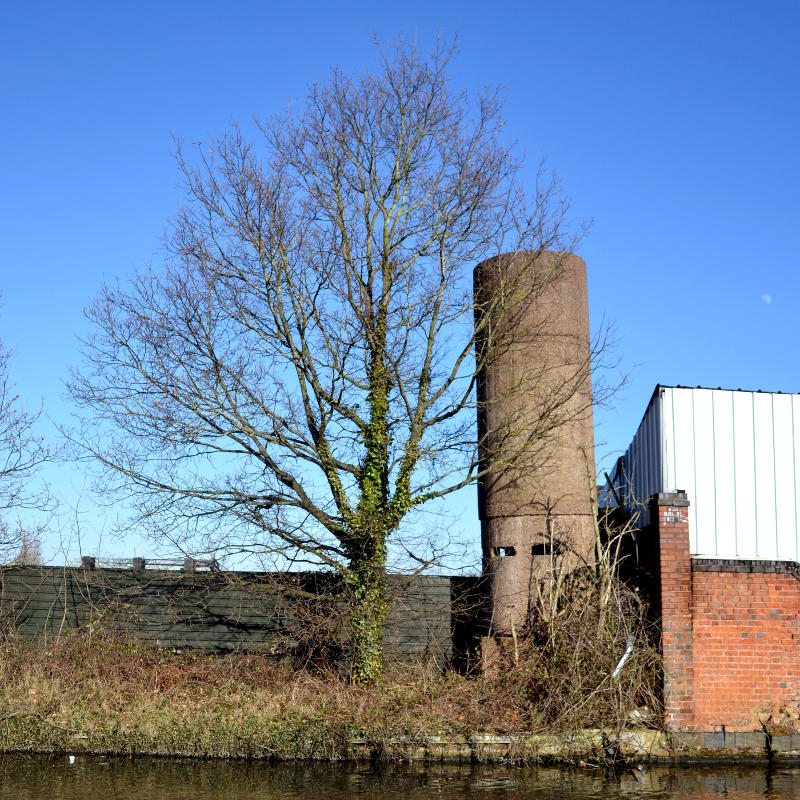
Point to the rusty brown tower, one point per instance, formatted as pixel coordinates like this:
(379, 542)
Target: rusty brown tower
(534, 424)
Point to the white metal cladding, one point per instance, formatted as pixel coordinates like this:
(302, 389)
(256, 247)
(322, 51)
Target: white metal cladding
(736, 454)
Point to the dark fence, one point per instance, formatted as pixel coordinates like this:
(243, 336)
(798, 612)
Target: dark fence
(279, 613)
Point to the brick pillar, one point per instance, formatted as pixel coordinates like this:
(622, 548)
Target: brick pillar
(670, 517)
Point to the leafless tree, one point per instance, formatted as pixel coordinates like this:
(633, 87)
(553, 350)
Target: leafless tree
(301, 373)
(22, 451)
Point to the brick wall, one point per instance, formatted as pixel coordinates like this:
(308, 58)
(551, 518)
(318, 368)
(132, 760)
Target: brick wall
(746, 628)
(669, 513)
(730, 631)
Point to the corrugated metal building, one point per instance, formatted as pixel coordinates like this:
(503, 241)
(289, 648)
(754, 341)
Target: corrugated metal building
(736, 454)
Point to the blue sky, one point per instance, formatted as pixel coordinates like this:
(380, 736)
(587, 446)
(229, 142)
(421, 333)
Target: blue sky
(674, 126)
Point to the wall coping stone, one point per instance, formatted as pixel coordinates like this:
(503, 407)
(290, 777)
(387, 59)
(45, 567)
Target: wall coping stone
(678, 498)
(700, 564)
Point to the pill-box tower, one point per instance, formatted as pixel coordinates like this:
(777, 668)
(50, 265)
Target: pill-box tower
(534, 424)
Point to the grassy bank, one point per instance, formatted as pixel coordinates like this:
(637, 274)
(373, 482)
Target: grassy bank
(95, 695)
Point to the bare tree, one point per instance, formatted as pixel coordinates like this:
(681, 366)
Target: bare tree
(301, 374)
(21, 453)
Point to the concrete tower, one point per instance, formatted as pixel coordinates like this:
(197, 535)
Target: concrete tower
(534, 424)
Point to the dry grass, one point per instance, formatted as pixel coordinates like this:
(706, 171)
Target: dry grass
(126, 679)
(111, 695)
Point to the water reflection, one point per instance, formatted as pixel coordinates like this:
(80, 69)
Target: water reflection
(36, 778)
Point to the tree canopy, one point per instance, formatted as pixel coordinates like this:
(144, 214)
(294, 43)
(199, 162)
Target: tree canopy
(300, 373)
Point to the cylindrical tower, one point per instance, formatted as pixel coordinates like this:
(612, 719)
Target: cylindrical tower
(534, 425)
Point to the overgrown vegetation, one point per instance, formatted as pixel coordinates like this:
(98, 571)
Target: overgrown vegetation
(591, 651)
(97, 693)
(587, 659)
(573, 673)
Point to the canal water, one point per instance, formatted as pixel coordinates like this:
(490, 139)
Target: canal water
(97, 778)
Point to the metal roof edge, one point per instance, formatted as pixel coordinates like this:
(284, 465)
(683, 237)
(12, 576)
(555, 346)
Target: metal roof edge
(721, 389)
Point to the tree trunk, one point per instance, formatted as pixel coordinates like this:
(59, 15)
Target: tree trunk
(367, 582)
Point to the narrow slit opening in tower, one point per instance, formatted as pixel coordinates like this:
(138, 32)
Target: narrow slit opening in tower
(547, 549)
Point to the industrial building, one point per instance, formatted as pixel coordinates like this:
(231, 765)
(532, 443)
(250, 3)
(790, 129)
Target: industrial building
(714, 477)
(736, 455)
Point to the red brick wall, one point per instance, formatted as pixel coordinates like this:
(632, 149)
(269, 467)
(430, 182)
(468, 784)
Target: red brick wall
(730, 632)
(669, 512)
(746, 631)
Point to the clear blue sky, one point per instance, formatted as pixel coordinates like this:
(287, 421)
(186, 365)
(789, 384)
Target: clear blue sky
(674, 125)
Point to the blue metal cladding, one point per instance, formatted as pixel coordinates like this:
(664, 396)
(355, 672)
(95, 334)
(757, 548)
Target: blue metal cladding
(737, 456)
